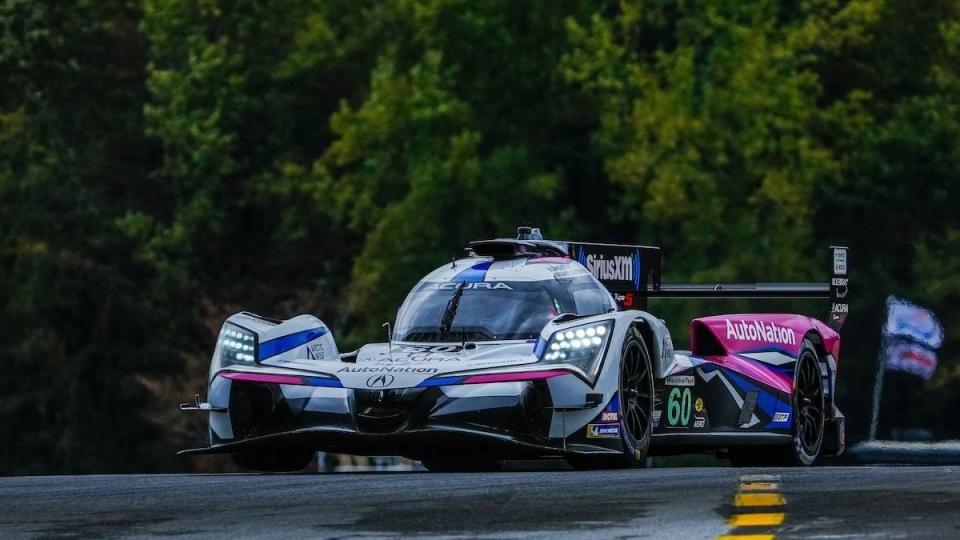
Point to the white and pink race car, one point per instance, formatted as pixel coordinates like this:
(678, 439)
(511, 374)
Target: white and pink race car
(530, 348)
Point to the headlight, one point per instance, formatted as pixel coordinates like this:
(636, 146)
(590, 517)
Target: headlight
(237, 345)
(578, 346)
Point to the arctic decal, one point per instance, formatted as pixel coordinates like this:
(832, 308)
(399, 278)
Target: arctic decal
(607, 417)
(603, 431)
(679, 380)
(760, 331)
(387, 369)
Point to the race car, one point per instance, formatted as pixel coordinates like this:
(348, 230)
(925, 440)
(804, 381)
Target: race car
(527, 348)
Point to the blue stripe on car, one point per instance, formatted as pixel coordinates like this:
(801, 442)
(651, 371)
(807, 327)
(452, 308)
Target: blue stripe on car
(442, 381)
(316, 381)
(474, 274)
(283, 344)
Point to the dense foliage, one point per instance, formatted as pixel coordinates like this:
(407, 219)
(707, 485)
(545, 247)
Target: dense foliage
(164, 163)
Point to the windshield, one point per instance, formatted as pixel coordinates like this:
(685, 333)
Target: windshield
(501, 310)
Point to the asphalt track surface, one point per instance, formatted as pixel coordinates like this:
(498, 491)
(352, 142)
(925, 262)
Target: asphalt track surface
(824, 503)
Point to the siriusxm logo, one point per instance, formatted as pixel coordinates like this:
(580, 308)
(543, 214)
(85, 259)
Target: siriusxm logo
(759, 331)
(615, 268)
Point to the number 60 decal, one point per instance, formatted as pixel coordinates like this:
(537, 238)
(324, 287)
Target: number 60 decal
(678, 407)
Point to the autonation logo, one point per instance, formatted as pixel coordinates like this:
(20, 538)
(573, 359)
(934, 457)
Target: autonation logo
(759, 331)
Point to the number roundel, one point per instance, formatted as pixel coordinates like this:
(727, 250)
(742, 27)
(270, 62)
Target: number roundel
(679, 403)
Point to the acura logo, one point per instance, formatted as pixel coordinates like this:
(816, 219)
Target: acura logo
(380, 381)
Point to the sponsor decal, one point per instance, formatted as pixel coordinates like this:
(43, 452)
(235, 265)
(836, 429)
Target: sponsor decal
(840, 308)
(839, 282)
(840, 262)
(387, 369)
(698, 405)
(428, 349)
(680, 380)
(603, 431)
(760, 331)
(624, 299)
(616, 267)
(380, 381)
(609, 417)
(656, 418)
(316, 351)
(566, 270)
(467, 285)
(414, 358)
(699, 421)
(781, 417)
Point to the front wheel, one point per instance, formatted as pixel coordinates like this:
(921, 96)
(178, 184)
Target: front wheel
(636, 409)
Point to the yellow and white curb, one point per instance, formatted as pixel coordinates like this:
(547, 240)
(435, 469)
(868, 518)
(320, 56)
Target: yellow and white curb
(758, 507)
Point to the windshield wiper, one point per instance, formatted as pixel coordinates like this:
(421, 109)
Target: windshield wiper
(451, 310)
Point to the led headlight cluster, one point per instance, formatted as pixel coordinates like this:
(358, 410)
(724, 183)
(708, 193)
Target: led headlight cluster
(579, 346)
(237, 345)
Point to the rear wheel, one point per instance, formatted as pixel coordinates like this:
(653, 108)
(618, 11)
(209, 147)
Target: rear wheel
(636, 409)
(281, 460)
(808, 413)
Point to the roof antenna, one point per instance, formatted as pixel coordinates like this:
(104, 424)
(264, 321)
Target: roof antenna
(389, 338)
(453, 263)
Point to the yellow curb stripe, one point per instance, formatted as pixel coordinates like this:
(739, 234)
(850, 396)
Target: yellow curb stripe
(746, 537)
(756, 520)
(758, 486)
(758, 499)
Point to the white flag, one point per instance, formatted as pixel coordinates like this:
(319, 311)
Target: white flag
(913, 322)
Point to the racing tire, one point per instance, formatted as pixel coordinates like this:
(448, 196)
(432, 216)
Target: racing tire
(808, 412)
(636, 409)
(283, 460)
(462, 465)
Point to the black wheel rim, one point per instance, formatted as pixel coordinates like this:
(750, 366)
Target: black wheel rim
(809, 405)
(635, 392)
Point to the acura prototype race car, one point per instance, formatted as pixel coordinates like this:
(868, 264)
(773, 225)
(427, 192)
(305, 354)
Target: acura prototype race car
(529, 349)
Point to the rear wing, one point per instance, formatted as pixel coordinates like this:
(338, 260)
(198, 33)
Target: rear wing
(836, 289)
(632, 273)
